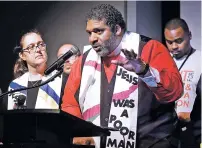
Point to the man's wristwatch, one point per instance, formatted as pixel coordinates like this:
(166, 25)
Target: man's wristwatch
(146, 68)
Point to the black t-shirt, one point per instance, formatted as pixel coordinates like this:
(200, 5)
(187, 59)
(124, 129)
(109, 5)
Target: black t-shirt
(32, 94)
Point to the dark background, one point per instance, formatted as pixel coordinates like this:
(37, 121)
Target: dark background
(15, 18)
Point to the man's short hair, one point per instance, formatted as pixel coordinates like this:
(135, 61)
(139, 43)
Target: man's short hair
(176, 23)
(107, 13)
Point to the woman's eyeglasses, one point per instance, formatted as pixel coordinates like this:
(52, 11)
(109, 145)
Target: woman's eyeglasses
(32, 47)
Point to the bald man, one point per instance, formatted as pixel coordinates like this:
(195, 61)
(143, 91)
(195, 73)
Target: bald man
(68, 63)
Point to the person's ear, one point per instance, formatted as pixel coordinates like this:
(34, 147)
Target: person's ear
(22, 56)
(118, 30)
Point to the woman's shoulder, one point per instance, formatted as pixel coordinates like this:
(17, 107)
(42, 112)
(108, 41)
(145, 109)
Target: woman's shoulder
(20, 79)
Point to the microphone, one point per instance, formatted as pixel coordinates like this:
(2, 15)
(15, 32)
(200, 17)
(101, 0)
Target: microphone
(19, 101)
(57, 64)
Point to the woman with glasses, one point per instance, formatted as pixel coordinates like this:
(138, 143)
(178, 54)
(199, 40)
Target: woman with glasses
(29, 71)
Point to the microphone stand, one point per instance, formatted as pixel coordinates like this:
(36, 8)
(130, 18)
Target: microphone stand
(60, 71)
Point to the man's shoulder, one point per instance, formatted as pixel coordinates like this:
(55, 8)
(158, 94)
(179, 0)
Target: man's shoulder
(198, 52)
(196, 58)
(86, 48)
(143, 38)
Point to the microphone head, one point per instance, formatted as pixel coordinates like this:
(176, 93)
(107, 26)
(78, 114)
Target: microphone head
(75, 50)
(57, 64)
(20, 99)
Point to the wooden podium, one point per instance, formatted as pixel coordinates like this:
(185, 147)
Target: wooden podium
(45, 128)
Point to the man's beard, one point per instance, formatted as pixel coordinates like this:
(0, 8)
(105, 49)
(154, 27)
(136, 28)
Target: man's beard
(106, 49)
(175, 56)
